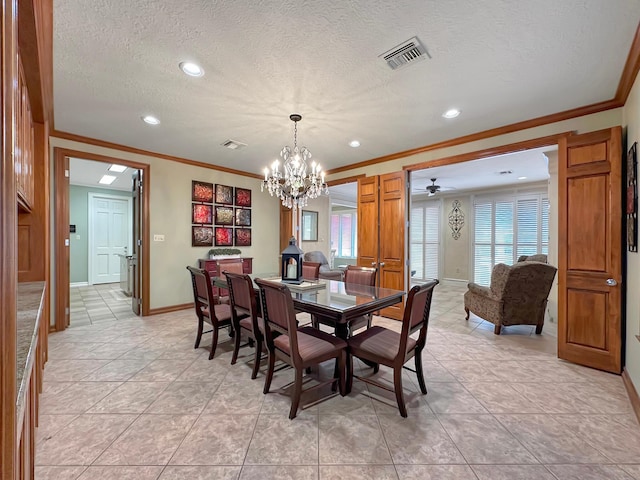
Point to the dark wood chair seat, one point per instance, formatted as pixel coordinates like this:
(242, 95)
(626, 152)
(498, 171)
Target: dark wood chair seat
(207, 309)
(381, 346)
(299, 348)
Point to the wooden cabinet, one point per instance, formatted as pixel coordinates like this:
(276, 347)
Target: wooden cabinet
(24, 147)
(211, 266)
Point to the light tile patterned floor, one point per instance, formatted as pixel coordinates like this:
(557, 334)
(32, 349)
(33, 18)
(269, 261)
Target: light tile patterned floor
(98, 303)
(129, 398)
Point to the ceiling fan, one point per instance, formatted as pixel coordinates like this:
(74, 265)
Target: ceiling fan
(433, 188)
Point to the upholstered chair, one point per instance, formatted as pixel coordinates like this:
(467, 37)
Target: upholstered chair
(207, 309)
(539, 257)
(326, 271)
(517, 295)
(311, 270)
(245, 315)
(381, 346)
(232, 265)
(300, 348)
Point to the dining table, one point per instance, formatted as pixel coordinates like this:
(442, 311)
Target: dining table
(334, 302)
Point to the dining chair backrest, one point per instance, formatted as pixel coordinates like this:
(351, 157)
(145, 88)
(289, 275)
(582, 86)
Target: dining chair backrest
(416, 314)
(242, 294)
(360, 275)
(310, 270)
(233, 265)
(278, 313)
(202, 291)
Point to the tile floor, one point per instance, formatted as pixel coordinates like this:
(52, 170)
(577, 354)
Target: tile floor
(99, 303)
(129, 398)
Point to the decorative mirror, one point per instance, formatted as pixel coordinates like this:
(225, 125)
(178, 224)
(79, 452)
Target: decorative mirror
(309, 226)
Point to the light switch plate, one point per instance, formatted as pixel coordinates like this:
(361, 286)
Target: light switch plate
(158, 238)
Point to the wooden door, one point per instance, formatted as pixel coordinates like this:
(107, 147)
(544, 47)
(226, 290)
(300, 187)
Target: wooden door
(368, 221)
(381, 220)
(61, 172)
(286, 227)
(590, 249)
(392, 222)
(136, 257)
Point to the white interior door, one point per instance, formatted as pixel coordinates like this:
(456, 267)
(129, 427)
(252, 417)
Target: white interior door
(110, 234)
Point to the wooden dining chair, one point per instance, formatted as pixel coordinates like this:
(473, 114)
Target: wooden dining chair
(354, 276)
(381, 346)
(310, 270)
(299, 348)
(245, 316)
(207, 309)
(232, 265)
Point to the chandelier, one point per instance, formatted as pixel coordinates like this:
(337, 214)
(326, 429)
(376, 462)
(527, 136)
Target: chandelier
(292, 183)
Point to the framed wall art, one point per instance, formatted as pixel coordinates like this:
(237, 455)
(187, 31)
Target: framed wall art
(243, 197)
(632, 198)
(201, 236)
(309, 227)
(201, 213)
(243, 217)
(224, 194)
(201, 191)
(243, 237)
(224, 215)
(224, 237)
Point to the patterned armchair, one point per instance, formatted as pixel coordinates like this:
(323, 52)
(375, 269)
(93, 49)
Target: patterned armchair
(326, 271)
(539, 257)
(517, 295)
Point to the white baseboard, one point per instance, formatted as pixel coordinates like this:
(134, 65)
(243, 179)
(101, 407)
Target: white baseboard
(454, 281)
(79, 284)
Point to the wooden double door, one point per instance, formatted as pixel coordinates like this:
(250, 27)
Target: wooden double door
(381, 231)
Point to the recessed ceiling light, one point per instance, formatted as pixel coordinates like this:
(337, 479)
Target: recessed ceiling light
(192, 69)
(151, 120)
(117, 168)
(522, 178)
(354, 143)
(107, 179)
(452, 113)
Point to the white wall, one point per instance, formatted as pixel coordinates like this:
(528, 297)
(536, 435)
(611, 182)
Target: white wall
(631, 122)
(170, 215)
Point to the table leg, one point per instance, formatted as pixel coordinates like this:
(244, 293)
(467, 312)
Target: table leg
(342, 331)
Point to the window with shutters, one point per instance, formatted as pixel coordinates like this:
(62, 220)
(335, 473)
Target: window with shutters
(506, 227)
(344, 234)
(424, 239)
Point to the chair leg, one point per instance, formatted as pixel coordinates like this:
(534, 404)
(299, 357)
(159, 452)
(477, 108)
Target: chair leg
(199, 334)
(295, 396)
(369, 318)
(376, 367)
(236, 348)
(342, 381)
(214, 342)
(539, 326)
(467, 312)
(349, 379)
(397, 385)
(256, 360)
(419, 372)
(497, 329)
(314, 322)
(269, 377)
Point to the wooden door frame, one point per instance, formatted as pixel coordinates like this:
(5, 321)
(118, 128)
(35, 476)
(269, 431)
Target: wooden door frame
(60, 234)
(90, 230)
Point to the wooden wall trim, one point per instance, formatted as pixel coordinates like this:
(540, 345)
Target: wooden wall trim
(342, 181)
(634, 398)
(630, 71)
(170, 308)
(61, 205)
(494, 132)
(61, 219)
(490, 152)
(123, 148)
(8, 245)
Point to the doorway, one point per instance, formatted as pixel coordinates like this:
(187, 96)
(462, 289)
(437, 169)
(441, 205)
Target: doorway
(109, 234)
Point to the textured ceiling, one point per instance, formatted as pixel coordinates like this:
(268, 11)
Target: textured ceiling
(499, 62)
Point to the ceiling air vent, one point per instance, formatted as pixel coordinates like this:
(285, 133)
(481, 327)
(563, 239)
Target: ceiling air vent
(407, 52)
(233, 145)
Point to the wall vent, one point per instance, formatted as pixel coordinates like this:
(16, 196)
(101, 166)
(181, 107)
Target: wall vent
(406, 53)
(233, 144)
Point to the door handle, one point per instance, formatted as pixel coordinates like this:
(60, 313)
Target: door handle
(611, 282)
(381, 264)
(373, 264)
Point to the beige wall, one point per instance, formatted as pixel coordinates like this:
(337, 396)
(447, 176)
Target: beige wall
(322, 205)
(455, 253)
(170, 212)
(631, 122)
